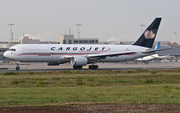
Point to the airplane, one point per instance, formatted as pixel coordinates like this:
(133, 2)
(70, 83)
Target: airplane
(80, 55)
(146, 59)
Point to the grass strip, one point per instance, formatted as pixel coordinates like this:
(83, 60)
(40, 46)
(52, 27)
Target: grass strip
(139, 94)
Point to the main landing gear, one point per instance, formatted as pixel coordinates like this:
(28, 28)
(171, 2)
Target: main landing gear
(77, 67)
(93, 67)
(17, 67)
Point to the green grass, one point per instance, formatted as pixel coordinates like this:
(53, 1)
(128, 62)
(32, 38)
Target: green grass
(93, 87)
(155, 94)
(11, 73)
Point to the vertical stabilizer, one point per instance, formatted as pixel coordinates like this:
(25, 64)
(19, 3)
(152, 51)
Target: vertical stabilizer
(149, 35)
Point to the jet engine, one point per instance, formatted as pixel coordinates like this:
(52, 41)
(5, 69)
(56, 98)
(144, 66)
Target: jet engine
(52, 63)
(79, 61)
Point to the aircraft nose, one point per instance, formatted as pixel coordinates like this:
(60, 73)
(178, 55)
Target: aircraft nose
(5, 54)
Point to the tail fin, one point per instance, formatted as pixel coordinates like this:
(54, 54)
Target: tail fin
(149, 35)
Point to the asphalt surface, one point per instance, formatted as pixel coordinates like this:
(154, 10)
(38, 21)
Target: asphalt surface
(34, 67)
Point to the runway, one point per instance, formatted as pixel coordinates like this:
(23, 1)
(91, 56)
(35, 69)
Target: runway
(34, 67)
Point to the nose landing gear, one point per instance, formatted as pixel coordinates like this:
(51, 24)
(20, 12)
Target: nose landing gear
(17, 67)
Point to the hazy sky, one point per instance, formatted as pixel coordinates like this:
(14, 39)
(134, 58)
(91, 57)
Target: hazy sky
(104, 19)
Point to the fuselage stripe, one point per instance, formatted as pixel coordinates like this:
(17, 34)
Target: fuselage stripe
(48, 54)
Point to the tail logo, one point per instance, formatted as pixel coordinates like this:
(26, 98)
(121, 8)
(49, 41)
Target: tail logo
(149, 34)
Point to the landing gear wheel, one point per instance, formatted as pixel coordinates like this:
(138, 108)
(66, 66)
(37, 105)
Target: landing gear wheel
(94, 67)
(17, 68)
(77, 67)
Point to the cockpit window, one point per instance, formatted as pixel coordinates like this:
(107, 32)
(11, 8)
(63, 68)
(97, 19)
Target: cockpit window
(11, 49)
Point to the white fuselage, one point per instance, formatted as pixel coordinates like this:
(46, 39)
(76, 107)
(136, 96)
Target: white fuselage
(58, 52)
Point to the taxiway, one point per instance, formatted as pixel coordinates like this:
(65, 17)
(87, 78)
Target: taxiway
(34, 67)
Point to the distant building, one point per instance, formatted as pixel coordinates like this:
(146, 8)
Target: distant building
(2, 50)
(174, 51)
(116, 42)
(128, 42)
(26, 40)
(14, 42)
(2, 58)
(48, 42)
(86, 41)
(3, 43)
(69, 39)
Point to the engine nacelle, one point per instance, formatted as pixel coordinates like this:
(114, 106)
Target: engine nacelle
(52, 63)
(79, 61)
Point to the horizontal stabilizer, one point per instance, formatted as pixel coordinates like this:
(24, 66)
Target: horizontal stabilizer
(153, 50)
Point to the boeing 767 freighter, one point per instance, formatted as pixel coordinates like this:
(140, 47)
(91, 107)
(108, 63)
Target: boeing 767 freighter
(81, 55)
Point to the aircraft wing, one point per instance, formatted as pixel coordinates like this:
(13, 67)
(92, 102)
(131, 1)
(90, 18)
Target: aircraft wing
(124, 53)
(111, 54)
(104, 55)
